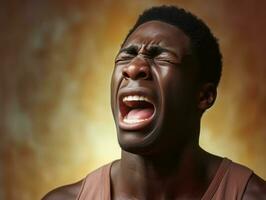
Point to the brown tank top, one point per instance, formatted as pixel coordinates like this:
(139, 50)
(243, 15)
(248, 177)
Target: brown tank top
(228, 183)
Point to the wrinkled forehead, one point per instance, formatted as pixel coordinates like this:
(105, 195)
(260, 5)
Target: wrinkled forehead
(159, 33)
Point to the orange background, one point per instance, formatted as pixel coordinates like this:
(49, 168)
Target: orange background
(56, 59)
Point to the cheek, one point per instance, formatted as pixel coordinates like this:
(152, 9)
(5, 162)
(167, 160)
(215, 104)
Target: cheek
(171, 81)
(166, 73)
(115, 82)
(177, 89)
(116, 76)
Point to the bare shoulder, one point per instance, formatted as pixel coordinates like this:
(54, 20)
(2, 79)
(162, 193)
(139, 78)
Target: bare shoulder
(256, 188)
(67, 192)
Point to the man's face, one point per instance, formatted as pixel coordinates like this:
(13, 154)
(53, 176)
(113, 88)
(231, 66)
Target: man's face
(154, 89)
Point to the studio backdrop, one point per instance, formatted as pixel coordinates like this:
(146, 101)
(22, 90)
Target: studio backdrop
(56, 60)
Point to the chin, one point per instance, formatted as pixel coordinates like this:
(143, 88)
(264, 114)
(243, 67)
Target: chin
(142, 142)
(133, 143)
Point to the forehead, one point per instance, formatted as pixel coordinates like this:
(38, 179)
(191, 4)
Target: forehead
(159, 33)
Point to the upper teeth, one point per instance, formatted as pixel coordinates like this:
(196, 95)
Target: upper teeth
(135, 98)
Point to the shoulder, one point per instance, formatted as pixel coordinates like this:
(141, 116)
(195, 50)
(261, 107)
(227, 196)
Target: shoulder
(67, 192)
(70, 192)
(255, 189)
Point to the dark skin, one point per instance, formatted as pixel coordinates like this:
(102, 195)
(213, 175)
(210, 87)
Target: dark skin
(161, 158)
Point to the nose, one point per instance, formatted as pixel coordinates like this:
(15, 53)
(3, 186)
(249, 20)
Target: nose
(138, 69)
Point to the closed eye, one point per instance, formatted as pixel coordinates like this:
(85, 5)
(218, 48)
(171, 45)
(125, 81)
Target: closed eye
(124, 57)
(165, 61)
(162, 55)
(166, 57)
(127, 53)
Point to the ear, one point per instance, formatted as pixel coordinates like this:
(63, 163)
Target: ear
(207, 96)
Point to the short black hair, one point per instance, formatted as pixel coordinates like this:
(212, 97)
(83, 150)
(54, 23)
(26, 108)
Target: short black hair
(203, 43)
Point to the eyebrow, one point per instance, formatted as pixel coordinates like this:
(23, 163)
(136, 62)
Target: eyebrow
(158, 49)
(133, 49)
(130, 50)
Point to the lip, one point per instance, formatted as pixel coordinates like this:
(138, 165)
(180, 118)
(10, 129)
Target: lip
(140, 91)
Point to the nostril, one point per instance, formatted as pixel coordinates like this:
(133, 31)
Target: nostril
(136, 72)
(125, 74)
(142, 75)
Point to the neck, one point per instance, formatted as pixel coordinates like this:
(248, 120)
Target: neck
(165, 176)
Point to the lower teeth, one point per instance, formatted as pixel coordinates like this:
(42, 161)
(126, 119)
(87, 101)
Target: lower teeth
(132, 121)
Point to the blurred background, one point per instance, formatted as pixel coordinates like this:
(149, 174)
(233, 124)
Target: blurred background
(56, 59)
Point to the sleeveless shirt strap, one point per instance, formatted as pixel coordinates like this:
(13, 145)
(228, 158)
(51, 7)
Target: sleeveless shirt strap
(240, 177)
(82, 188)
(106, 173)
(229, 182)
(217, 179)
(96, 185)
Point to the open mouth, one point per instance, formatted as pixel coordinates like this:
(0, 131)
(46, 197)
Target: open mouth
(135, 111)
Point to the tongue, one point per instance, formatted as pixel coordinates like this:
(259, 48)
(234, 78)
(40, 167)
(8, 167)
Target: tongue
(140, 113)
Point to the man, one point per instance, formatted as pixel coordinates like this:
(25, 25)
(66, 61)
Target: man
(165, 77)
